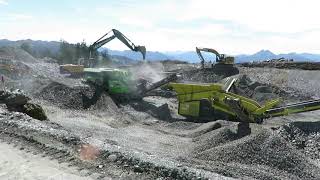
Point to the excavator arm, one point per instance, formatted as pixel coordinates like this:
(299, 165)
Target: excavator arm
(218, 56)
(117, 34)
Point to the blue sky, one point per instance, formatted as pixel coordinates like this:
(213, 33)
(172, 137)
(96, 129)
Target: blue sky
(230, 26)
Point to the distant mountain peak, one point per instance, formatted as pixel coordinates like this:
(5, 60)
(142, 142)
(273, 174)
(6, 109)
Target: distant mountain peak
(265, 53)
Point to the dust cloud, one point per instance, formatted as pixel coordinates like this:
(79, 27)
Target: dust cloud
(151, 72)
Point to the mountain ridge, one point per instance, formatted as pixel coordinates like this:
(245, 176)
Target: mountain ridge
(189, 56)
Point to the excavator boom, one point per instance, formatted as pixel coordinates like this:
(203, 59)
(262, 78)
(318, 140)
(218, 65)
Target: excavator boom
(117, 34)
(198, 50)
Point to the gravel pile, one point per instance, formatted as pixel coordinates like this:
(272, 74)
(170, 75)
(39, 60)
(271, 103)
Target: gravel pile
(30, 73)
(298, 83)
(73, 98)
(218, 137)
(200, 76)
(45, 70)
(305, 136)
(105, 104)
(63, 95)
(285, 65)
(262, 155)
(262, 92)
(18, 54)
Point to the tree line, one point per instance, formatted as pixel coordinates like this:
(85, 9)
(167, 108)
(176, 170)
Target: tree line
(69, 53)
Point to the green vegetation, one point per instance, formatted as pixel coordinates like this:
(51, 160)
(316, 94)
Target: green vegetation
(68, 53)
(38, 53)
(72, 53)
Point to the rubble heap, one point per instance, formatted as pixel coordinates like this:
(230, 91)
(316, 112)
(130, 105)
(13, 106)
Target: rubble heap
(16, 100)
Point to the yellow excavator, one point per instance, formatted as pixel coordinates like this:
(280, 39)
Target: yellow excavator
(78, 69)
(224, 64)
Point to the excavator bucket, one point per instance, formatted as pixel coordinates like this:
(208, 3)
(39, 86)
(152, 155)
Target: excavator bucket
(142, 50)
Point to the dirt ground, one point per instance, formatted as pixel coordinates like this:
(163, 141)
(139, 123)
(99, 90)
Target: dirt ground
(148, 140)
(18, 164)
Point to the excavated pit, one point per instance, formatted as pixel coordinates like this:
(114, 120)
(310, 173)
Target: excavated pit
(148, 139)
(227, 148)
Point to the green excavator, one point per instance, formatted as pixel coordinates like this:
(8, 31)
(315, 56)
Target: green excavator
(109, 36)
(119, 84)
(77, 70)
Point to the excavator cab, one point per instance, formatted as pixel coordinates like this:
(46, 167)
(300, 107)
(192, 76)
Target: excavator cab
(226, 59)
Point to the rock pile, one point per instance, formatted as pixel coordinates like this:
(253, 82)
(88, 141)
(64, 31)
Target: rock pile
(200, 76)
(261, 92)
(263, 154)
(305, 136)
(77, 97)
(16, 100)
(63, 95)
(285, 65)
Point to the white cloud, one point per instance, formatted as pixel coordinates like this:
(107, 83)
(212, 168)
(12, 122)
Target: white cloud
(280, 25)
(231, 26)
(136, 22)
(19, 17)
(271, 15)
(10, 19)
(3, 2)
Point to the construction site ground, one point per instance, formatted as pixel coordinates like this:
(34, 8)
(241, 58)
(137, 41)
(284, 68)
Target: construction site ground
(147, 139)
(284, 65)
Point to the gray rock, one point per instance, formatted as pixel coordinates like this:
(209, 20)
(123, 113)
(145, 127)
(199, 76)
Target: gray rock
(35, 111)
(17, 101)
(13, 98)
(112, 158)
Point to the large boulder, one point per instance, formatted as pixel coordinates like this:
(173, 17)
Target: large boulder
(16, 100)
(35, 111)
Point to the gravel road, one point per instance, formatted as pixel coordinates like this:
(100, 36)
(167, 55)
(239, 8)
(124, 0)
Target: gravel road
(15, 164)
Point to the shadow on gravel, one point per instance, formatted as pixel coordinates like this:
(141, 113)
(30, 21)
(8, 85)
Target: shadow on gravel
(306, 127)
(160, 112)
(88, 102)
(263, 154)
(305, 136)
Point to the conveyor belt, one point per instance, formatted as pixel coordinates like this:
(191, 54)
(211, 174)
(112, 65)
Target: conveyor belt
(294, 108)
